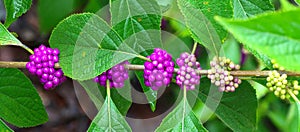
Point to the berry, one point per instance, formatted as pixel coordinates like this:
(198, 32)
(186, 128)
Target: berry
(280, 85)
(219, 74)
(42, 64)
(276, 65)
(116, 76)
(187, 75)
(158, 73)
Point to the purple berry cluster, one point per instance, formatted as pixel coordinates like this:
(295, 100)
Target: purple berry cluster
(159, 71)
(219, 74)
(42, 64)
(187, 75)
(116, 76)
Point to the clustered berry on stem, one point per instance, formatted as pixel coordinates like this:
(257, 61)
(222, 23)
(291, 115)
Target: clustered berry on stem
(116, 76)
(276, 65)
(187, 75)
(158, 73)
(219, 74)
(42, 64)
(279, 85)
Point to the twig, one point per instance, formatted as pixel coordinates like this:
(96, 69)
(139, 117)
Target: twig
(7, 64)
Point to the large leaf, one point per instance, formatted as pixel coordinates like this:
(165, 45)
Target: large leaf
(6, 38)
(50, 12)
(237, 110)
(182, 119)
(88, 46)
(20, 103)
(14, 9)
(109, 119)
(138, 23)
(249, 8)
(4, 127)
(271, 35)
(199, 17)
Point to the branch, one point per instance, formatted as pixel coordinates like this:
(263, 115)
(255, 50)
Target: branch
(6, 64)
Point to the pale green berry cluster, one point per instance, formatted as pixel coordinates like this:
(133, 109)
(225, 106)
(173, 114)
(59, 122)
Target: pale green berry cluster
(280, 85)
(276, 65)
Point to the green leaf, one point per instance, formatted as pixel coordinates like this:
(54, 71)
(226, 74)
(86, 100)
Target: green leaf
(165, 4)
(182, 118)
(50, 12)
(151, 95)
(286, 5)
(20, 103)
(199, 19)
(14, 9)
(249, 8)
(137, 22)
(232, 50)
(6, 38)
(237, 110)
(4, 127)
(109, 119)
(298, 2)
(273, 37)
(89, 46)
(298, 115)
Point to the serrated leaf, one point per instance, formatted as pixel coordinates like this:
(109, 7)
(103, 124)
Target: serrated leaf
(4, 127)
(97, 93)
(14, 9)
(6, 38)
(199, 19)
(20, 104)
(151, 95)
(182, 119)
(271, 35)
(88, 46)
(137, 22)
(109, 119)
(237, 110)
(249, 8)
(50, 12)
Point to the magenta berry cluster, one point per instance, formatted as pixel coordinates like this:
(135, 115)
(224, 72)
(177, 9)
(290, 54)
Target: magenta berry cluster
(159, 72)
(187, 74)
(42, 64)
(116, 76)
(219, 74)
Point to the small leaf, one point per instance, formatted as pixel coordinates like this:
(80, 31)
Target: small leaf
(203, 27)
(97, 93)
(232, 50)
(151, 95)
(237, 110)
(109, 119)
(4, 127)
(20, 104)
(249, 8)
(14, 9)
(6, 38)
(182, 118)
(88, 46)
(271, 35)
(50, 12)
